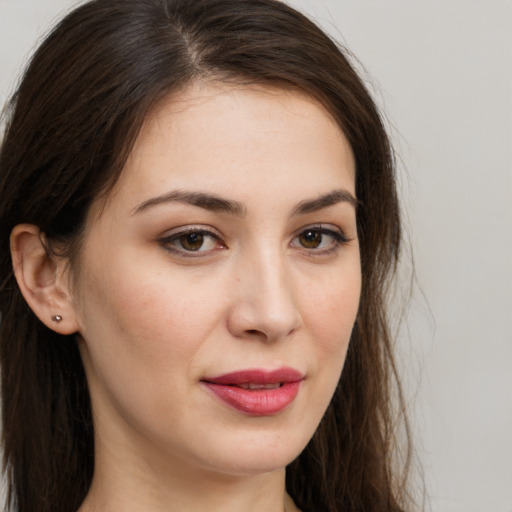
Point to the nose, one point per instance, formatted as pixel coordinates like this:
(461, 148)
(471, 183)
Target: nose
(264, 305)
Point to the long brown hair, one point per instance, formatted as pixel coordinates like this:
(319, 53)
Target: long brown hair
(71, 125)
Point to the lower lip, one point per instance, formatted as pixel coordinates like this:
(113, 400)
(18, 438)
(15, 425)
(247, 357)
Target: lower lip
(259, 402)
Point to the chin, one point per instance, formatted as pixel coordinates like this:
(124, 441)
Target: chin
(258, 454)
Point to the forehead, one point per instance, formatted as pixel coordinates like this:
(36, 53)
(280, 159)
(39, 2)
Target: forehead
(225, 138)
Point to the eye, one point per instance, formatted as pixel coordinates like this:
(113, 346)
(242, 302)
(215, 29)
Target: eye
(311, 239)
(192, 240)
(319, 239)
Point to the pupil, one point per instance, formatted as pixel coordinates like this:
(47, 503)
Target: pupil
(192, 241)
(311, 239)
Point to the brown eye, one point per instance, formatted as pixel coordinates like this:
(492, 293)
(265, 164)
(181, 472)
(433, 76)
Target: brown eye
(319, 240)
(192, 241)
(310, 239)
(197, 242)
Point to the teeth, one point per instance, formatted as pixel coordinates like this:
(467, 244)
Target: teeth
(250, 386)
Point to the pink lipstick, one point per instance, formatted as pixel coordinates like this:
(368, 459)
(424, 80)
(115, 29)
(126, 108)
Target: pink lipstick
(257, 392)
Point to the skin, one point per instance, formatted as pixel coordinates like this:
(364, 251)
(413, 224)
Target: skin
(154, 317)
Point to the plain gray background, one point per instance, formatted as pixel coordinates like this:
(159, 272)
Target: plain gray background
(442, 71)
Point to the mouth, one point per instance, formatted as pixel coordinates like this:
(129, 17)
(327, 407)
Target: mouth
(256, 392)
(251, 386)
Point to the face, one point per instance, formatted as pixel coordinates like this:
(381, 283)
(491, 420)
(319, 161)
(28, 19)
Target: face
(219, 282)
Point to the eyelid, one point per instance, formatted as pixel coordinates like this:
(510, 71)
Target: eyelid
(337, 233)
(329, 229)
(174, 234)
(192, 228)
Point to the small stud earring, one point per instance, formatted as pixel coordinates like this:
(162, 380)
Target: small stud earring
(57, 318)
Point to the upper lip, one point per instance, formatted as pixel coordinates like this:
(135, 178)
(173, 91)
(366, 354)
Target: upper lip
(257, 376)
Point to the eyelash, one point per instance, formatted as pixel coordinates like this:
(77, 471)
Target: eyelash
(339, 239)
(167, 242)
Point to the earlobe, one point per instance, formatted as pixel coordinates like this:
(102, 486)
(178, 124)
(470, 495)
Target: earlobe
(42, 279)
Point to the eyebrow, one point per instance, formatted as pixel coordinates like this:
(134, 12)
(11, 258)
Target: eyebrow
(200, 199)
(218, 204)
(324, 201)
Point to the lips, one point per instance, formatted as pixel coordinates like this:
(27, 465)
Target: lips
(257, 392)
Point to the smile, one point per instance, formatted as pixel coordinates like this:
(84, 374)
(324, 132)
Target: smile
(256, 392)
(251, 386)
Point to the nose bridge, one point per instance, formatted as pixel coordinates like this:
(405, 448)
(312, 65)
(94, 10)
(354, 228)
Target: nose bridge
(267, 303)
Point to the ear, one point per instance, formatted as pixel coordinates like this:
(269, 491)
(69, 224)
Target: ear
(43, 279)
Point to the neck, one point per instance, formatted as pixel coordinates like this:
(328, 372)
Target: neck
(133, 485)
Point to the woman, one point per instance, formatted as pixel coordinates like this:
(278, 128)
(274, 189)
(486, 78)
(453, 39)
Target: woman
(200, 206)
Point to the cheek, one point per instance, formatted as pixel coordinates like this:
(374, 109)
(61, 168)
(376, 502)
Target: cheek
(142, 333)
(331, 311)
(149, 314)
